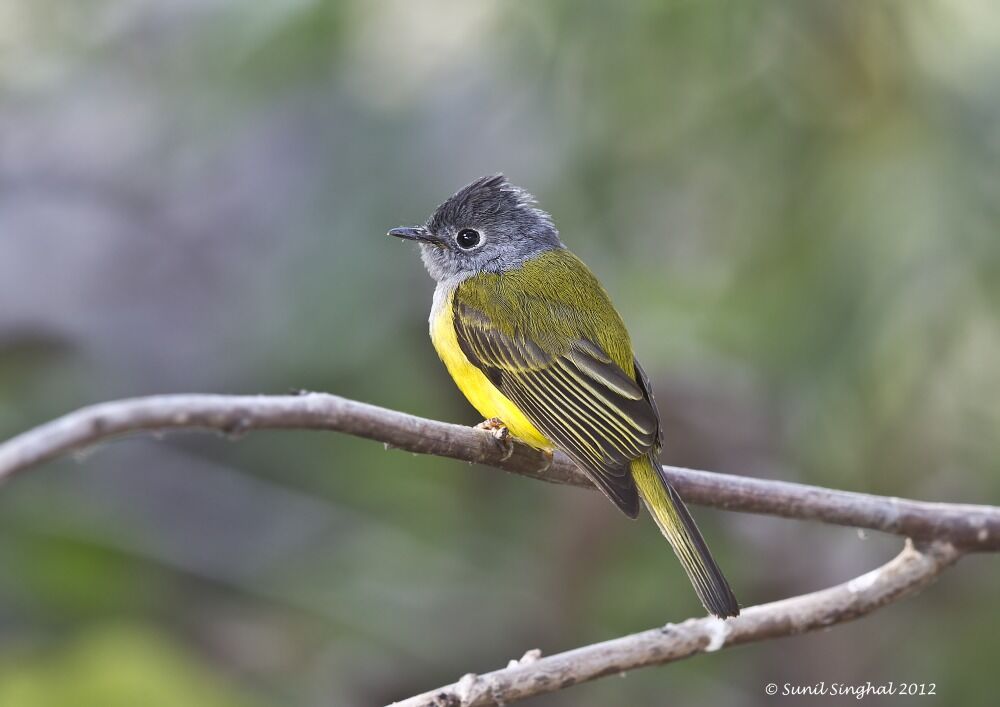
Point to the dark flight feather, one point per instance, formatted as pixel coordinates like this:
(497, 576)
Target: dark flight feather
(578, 398)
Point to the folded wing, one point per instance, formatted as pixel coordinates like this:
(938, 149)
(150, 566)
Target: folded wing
(573, 392)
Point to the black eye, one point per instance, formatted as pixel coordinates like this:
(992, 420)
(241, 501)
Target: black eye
(467, 239)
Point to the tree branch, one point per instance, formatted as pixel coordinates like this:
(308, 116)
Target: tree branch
(946, 530)
(907, 573)
(973, 528)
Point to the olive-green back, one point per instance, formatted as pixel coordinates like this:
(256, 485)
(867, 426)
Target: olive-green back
(548, 337)
(553, 299)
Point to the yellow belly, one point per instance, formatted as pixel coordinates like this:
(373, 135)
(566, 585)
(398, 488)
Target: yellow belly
(483, 395)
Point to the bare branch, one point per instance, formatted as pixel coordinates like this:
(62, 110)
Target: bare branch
(974, 528)
(235, 414)
(971, 527)
(907, 573)
(948, 530)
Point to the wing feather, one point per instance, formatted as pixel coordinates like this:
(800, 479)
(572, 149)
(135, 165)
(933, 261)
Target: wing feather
(576, 396)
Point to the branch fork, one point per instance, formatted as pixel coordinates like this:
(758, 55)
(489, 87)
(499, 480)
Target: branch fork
(937, 534)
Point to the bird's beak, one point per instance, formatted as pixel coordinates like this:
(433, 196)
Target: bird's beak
(415, 233)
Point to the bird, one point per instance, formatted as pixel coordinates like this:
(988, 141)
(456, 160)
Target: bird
(530, 337)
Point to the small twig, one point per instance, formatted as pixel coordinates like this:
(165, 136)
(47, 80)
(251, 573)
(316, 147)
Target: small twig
(907, 573)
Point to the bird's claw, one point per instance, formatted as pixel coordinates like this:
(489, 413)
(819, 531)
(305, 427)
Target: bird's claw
(498, 430)
(494, 424)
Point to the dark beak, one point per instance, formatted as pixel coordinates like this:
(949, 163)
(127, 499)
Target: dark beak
(415, 233)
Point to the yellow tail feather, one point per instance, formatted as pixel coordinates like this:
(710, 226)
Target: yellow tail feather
(679, 529)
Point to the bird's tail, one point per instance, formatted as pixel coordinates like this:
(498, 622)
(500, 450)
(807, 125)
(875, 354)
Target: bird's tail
(679, 529)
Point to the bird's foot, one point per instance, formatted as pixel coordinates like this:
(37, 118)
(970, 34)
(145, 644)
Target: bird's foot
(498, 430)
(548, 455)
(494, 424)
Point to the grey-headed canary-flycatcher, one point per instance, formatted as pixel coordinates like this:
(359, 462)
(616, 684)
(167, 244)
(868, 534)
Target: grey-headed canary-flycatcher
(530, 337)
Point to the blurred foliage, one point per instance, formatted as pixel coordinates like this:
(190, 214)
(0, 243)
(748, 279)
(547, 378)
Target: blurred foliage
(794, 204)
(113, 666)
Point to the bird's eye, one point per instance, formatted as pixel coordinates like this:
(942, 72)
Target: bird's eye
(468, 239)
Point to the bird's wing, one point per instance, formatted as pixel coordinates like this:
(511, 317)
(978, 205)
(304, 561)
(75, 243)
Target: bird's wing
(572, 391)
(647, 390)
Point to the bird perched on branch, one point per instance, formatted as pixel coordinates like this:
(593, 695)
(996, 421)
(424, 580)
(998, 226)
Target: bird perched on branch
(531, 338)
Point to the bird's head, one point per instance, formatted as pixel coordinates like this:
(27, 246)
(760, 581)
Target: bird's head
(488, 226)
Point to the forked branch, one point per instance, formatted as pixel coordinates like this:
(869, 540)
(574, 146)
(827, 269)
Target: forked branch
(944, 531)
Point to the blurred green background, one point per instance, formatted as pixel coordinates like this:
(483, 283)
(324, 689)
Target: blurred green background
(795, 205)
